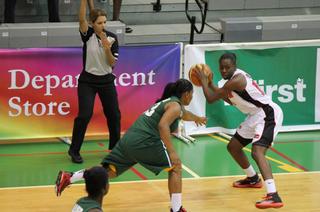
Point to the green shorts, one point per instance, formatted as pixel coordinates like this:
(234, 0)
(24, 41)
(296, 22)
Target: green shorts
(136, 147)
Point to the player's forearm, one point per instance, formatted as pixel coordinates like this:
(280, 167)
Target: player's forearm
(189, 116)
(82, 11)
(110, 58)
(211, 92)
(91, 5)
(219, 93)
(166, 138)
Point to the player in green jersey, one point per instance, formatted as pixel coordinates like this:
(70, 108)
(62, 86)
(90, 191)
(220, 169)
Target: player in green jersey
(148, 142)
(97, 186)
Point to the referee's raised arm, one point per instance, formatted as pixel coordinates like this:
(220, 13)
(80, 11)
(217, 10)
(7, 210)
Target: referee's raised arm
(83, 23)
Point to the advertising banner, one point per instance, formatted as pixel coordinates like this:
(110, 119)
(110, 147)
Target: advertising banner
(286, 71)
(39, 88)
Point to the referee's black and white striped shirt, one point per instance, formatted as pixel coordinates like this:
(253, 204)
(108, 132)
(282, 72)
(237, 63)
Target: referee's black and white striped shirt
(94, 57)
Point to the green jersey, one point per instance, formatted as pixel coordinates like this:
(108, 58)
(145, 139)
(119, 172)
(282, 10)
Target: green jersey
(148, 121)
(142, 143)
(84, 204)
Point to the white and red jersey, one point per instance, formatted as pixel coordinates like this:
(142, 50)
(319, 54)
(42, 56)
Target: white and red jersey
(251, 99)
(264, 116)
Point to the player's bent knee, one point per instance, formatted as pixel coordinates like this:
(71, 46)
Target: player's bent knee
(177, 169)
(254, 155)
(174, 169)
(229, 147)
(232, 148)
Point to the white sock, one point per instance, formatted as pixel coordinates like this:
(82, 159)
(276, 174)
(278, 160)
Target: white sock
(270, 185)
(250, 171)
(176, 201)
(77, 176)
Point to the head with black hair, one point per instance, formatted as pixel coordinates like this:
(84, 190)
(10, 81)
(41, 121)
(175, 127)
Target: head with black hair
(97, 184)
(227, 65)
(182, 88)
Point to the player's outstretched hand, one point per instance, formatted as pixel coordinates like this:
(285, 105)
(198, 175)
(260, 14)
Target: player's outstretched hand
(201, 121)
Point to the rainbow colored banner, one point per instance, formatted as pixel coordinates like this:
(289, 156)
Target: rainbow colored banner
(39, 88)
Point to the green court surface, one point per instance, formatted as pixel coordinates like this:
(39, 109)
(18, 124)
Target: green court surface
(33, 164)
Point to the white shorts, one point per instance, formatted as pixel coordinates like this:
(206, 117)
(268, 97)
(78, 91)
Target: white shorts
(262, 127)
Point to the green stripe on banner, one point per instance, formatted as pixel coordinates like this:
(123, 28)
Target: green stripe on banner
(286, 74)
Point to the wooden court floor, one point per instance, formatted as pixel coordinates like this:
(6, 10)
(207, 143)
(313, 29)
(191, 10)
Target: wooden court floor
(28, 171)
(299, 191)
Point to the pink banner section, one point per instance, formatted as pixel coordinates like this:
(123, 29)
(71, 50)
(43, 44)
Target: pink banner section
(39, 88)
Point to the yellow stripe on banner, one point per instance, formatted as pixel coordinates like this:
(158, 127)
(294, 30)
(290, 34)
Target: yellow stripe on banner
(282, 165)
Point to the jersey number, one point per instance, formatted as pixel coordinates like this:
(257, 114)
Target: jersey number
(154, 107)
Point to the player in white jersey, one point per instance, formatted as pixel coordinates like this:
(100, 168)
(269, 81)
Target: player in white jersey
(264, 118)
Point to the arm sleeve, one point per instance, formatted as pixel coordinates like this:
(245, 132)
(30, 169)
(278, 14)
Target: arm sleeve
(115, 47)
(85, 36)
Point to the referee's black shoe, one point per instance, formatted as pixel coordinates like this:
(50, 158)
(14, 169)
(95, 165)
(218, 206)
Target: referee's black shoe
(75, 158)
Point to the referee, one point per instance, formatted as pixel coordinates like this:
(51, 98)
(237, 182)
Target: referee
(100, 53)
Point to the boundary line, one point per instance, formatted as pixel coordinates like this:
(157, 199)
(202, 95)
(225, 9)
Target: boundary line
(192, 173)
(288, 159)
(289, 142)
(143, 177)
(49, 153)
(160, 180)
(283, 166)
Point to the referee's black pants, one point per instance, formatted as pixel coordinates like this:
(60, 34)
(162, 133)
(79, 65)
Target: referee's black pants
(109, 99)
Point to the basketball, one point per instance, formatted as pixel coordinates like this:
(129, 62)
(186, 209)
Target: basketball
(194, 78)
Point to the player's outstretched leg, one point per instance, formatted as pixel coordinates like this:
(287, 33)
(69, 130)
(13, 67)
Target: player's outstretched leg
(63, 181)
(272, 200)
(248, 182)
